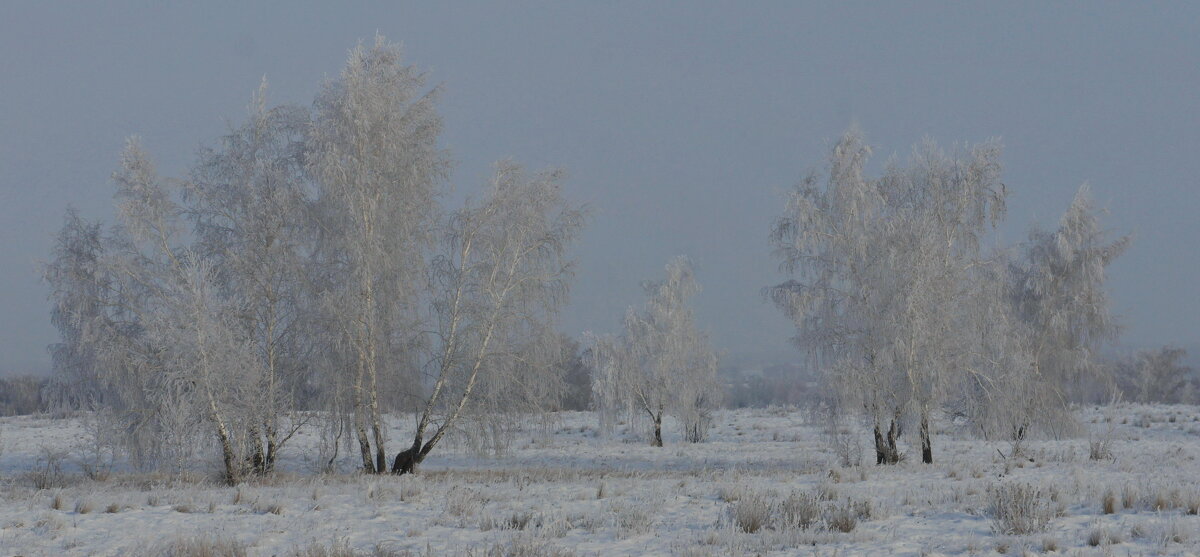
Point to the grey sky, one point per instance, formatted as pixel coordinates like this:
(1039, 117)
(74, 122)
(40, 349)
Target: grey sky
(680, 124)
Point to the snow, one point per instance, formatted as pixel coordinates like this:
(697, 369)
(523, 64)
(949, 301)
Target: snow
(579, 492)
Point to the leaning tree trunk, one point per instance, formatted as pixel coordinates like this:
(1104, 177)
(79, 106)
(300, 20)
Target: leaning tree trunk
(926, 441)
(658, 442)
(885, 445)
(407, 460)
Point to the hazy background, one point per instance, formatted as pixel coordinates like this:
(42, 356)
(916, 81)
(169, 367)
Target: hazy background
(680, 124)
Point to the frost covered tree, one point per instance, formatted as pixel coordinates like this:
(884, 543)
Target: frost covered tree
(1040, 312)
(497, 282)
(374, 156)
(189, 334)
(1061, 298)
(250, 199)
(74, 275)
(1160, 375)
(882, 268)
(660, 364)
(304, 262)
(167, 350)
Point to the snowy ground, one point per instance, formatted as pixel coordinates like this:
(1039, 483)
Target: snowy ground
(564, 490)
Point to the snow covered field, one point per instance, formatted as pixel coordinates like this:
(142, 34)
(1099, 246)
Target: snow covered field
(766, 483)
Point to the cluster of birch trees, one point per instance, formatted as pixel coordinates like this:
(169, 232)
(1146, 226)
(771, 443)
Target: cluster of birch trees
(306, 262)
(660, 364)
(305, 272)
(894, 296)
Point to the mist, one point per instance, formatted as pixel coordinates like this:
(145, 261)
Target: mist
(680, 128)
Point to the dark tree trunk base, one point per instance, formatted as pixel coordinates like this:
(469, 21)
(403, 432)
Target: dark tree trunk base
(885, 446)
(407, 460)
(926, 442)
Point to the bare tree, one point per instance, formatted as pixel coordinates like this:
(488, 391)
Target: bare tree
(496, 287)
(374, 156)
(660, 364)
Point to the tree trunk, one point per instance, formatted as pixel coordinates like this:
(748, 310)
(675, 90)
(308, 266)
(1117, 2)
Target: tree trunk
(273, 447)
(380, 452)
(885, 445)
(658, 442)
(407, 460)
(926, 441)
(257, 456)
(364, 446)
(229, 459)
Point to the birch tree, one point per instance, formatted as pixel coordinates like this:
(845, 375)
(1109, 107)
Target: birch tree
(881, 269)
(164, 340)
(1161, 376)
(250, 199)
(501, 274)
(941, 206)
(660, 364)
(1059, 295)
(374, 156)
(74, 275)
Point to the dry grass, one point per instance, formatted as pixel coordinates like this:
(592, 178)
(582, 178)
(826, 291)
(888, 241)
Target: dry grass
(751, 513)
(202, 547)
(1103, 535)
(84, 506)
(1020, 509)
(1108, 502)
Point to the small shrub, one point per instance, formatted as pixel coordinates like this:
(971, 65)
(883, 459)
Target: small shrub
(1172, 533)
(518, 520)
(273, 508)
(1109, 502)
(1192, 504)
(1101, 535)
(827, 492)
(800, 510)
(730, 493)
(339, 548)
(1100, 449)
(463, 502)
(1021, 508)
(1129, 496)
(48, 473)
(631, 519)
(842, 519)
(84, 506)
(202, 547)
(525, 546)
(58, 502)
(751, 513)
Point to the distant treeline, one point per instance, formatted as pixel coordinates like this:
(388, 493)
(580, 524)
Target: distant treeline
(22, 395)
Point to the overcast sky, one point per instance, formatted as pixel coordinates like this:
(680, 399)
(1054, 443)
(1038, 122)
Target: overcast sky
(680, 124)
